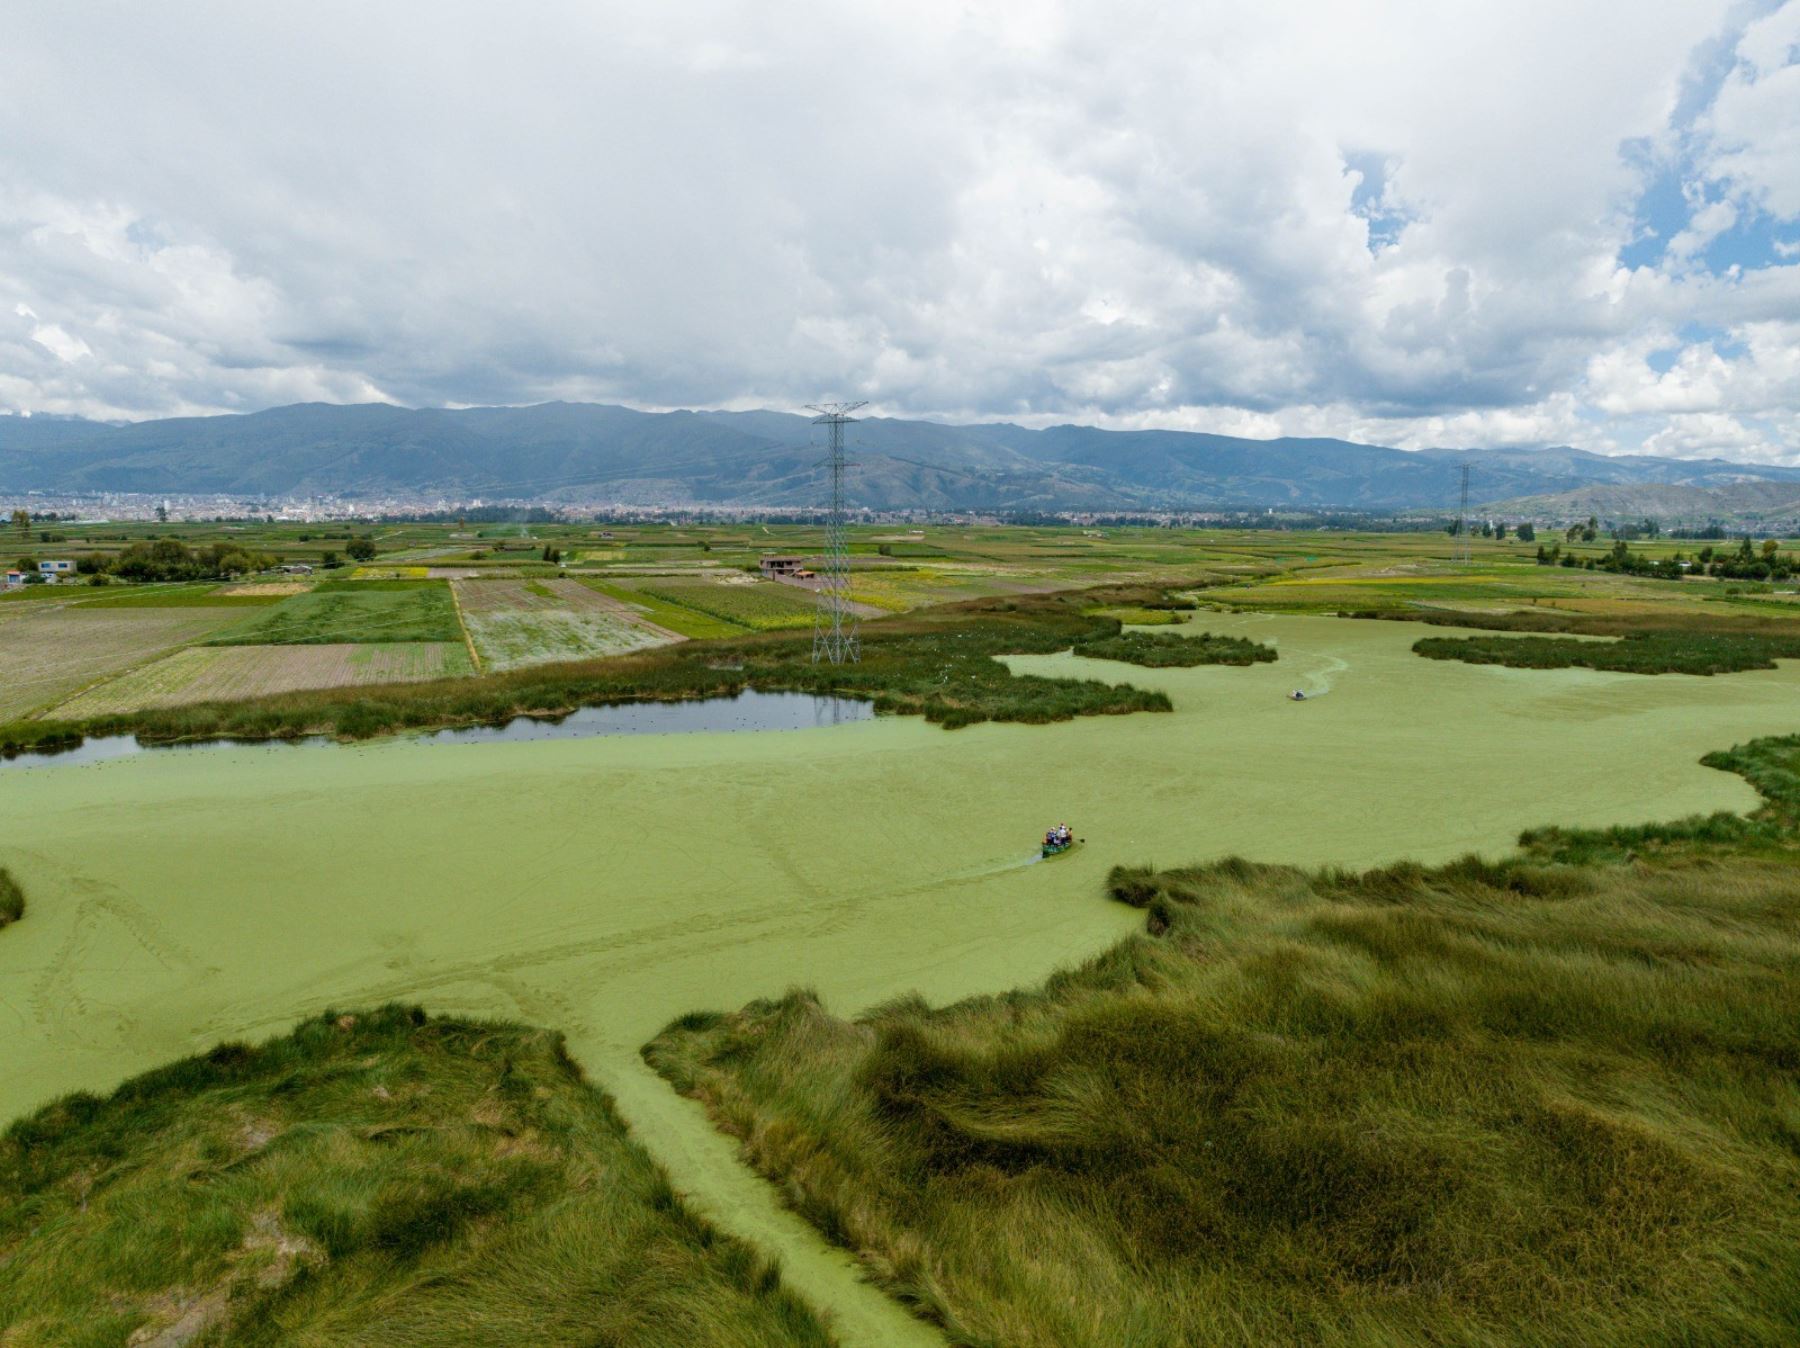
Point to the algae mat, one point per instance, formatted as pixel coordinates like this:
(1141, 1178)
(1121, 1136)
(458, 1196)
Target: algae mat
(604, 886)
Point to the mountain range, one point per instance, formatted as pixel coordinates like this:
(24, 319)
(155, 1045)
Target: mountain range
(595, 453)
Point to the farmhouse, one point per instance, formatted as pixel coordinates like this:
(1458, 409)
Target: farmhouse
(295, 569)
(781, 566)
(14, 579)
(56, 568)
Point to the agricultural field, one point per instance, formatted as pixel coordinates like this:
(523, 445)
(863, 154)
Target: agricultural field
(755, 605)
(234, 673)
(664, 613)
(48, 652)
(515, 623)
(353, 611)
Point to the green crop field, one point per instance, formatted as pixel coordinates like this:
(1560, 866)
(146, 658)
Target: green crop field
(205, 595)
(667, 614)
(761, 606)
(352, 611)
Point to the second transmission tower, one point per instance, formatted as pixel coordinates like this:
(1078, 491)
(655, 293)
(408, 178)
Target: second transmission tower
(1464, 551)
(834, 618)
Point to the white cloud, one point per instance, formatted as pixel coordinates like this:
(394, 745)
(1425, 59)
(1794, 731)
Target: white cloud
(1755, 122)
(1133, 212)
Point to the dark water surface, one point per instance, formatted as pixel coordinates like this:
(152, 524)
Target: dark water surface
(748, 711)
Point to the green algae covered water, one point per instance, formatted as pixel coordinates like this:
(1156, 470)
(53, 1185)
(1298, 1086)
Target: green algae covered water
(604, 886)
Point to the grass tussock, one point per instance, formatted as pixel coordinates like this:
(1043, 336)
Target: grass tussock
(382, 1178)
(1525, 1100)
(939, 664)
(12, 899)
(1162, 650)
(1675, 641)
(1770, 765)
(1638, 653)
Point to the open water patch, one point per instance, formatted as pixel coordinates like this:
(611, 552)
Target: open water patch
(748, 711)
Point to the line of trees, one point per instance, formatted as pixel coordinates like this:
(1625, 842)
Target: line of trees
(1745, 562)
(170, 559)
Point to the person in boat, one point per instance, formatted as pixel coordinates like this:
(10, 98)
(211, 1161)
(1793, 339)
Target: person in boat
(1297, 695)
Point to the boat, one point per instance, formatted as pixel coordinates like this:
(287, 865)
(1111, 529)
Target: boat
(1049, 849)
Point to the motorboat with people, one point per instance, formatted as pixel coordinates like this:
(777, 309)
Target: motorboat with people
(1057, 841)
(1296, 696)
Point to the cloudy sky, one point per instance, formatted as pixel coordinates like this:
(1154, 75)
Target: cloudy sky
(1519, 222)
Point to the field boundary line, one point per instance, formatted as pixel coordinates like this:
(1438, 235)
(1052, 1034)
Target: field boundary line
(462, 623)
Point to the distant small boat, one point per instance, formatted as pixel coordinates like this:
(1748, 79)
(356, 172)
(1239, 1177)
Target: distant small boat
(1057, 849)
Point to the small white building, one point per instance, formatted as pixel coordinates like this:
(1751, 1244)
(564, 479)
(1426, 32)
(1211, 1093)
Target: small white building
(15, 579)
(56, 568)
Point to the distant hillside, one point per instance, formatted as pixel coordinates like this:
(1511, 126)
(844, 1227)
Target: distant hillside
(1741, 502)
(588, 452)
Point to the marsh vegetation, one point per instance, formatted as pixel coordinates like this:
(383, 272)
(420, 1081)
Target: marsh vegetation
(12, 899)
(1165, 650)
(1526, 1100)
(380, 1178)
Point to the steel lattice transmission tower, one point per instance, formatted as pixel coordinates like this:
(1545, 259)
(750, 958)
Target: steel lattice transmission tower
(1464, 551)
(834, 619)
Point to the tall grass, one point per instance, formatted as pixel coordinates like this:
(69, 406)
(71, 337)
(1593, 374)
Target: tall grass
(1524, 1101)
(1636, 653)
(939, 665)
(383, 1178)
(12, 899)
(1159, 650)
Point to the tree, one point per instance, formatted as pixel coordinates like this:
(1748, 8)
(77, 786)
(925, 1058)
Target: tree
(21, 520)
(162, 514)
(329, 560)
(1499, 531)
(1769, 548)
(360, 549)
(1527, 533)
